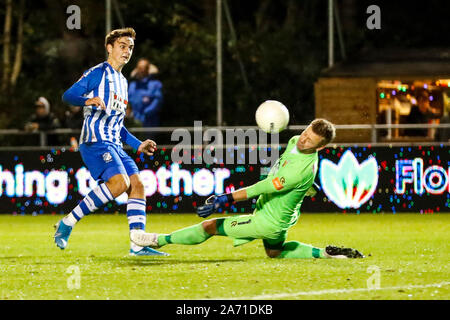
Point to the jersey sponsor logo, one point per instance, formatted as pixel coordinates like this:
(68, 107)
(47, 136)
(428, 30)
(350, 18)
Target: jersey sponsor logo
(107, 157)
(118, 103)
(277, 183)
(235, 223)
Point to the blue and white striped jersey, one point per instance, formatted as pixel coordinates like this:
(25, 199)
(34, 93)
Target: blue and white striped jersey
(105, 82)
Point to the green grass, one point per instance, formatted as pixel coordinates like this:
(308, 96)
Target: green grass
(409, 250)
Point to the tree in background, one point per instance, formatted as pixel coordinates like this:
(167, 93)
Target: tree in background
(11, 68)
(277, 50)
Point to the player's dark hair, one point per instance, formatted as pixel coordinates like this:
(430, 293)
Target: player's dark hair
(119, 33)
(325, 129)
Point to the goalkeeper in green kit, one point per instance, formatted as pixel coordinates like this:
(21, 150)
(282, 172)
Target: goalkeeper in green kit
(280, 196)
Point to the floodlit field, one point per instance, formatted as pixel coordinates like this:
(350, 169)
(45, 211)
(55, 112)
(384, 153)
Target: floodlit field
(408, 257)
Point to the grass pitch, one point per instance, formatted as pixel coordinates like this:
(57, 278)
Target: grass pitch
(407, 258)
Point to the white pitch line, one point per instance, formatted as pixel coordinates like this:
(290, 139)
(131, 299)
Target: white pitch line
(332, 291)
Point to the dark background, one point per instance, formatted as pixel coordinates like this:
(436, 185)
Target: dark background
(282, 45)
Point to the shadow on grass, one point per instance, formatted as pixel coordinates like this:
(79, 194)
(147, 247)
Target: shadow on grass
(131, 260)
(158, 261)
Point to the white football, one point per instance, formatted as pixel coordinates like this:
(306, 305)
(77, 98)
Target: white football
(272, 116)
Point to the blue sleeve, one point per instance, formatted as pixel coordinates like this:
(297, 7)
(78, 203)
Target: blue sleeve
(90, 80)
(74, 95)
(129, 138)
(156, 96)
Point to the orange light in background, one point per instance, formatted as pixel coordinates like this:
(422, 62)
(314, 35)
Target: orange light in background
(443, 82)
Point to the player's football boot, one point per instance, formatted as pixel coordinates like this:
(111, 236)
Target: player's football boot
(342, 253)
(62, 234)
(145, 239)
(147, 251)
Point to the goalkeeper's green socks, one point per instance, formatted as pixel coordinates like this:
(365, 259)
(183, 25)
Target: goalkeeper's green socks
(191, 235)
(298, 250)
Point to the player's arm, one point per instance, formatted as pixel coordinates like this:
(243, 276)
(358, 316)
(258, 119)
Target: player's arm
(75, 94)
(268, 185)
(271, 184)
(148, 146)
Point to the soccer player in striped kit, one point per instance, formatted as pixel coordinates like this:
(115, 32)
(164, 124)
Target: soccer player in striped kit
(102, 91)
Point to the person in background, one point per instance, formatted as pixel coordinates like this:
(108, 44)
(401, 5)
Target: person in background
(145, 93)
(130, 121)
(443, 134)
(422, 112)
(73, 119)
(43, 120)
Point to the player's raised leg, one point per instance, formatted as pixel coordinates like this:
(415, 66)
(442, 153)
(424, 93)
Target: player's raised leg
(99, 196)
(278, 248)
(241, 228)
(296, 250)
(137, 217)
(191, 235)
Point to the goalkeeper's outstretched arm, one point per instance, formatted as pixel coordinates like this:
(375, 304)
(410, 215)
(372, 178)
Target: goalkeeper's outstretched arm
(261, 187)
(268, 185)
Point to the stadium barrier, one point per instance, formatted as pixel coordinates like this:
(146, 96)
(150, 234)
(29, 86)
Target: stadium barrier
(61, 137)
(352, 179)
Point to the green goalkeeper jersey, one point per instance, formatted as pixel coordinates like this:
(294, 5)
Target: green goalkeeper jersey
(281, 193)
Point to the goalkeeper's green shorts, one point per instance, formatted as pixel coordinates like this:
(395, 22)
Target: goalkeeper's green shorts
(246, 228)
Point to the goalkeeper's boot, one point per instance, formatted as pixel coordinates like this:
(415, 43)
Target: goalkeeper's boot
(145, 239)
(147, 251)
(62, 234)
(342, 253)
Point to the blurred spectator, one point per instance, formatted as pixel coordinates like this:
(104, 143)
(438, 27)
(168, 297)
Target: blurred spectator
(443, 134)
(130, 121)
(144, 93)
(73, 119)
(42, 119)
(153, 70)
(422, 112)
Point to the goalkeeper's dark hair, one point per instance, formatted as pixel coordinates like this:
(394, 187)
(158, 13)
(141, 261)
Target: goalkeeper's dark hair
(325, 129)
(119, 33)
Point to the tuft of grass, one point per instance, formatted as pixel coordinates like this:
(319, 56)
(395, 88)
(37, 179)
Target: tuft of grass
(409, 253)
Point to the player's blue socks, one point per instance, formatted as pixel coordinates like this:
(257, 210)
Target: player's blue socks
(94, 200)
(136, 213)
(136, 220)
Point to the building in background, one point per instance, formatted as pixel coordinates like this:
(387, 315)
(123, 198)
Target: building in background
(380, 87)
